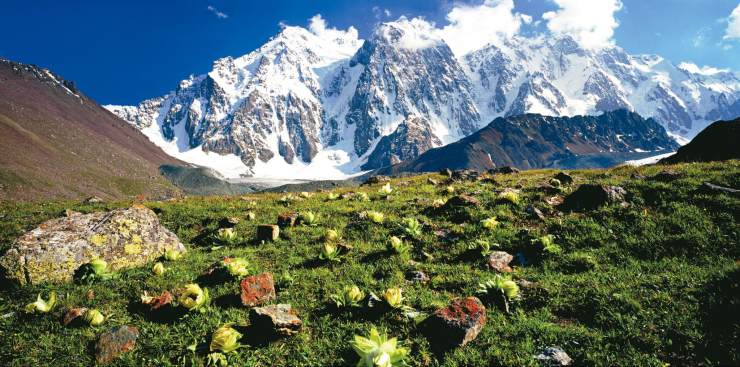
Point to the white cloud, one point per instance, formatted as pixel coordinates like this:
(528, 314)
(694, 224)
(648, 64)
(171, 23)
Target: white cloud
(417, 33)
(219, 14)
(381, 13)
(733, 25)
(704, 70)
(474, 26)
(590, 22)
(317, 25)
(701, 36)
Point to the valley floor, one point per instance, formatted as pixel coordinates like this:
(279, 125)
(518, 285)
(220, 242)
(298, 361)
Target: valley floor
(650, 283)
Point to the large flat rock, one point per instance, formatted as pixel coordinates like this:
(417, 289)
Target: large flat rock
(54, 250)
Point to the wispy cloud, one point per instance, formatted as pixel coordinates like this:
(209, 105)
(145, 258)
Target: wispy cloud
(381, 13)
(733, 25)
(217, 13)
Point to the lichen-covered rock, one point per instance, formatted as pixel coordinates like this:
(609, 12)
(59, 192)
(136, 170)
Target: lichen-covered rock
(113, 343)
(279, 319)
(57, 248)
(457, 324)
(257, 289)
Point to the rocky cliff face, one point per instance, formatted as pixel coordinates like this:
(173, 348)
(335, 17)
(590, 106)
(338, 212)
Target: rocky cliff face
(537, 141)
(324, 104)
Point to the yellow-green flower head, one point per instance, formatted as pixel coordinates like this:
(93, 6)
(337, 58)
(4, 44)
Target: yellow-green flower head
(94, 317)
(193, 297)
(393, 297)
(158, 269)
(377, 350)
(173, 255)
(41, 306)
(225, 339)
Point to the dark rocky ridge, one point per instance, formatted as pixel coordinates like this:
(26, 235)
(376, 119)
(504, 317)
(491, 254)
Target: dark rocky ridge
(720, 141)
(536, 141)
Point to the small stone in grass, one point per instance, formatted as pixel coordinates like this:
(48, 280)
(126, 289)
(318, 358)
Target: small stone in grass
(499, 261)
(457, 324)
(268, 232)
(115, 342)
(73, 316)
(554, 357)
(279, 319)
(287, 219)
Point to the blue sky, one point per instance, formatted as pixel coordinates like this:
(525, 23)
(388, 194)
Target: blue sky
(121, 52)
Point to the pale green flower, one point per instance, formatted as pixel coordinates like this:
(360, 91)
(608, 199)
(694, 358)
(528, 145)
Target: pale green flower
(41, 306)
(351, 296)
(158, 269)
(378, 351)
(225, 339)
(193, 297)
(94, 317)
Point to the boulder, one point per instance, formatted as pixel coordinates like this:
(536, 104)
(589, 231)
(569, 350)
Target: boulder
(499, 261)
(465, 175)
(462, 201)
(57, 248)
(278, 319)
(257, 289)
(505, 170)
(115, 342)
(457, 324)
(564, 178)
(268, 232)
(374, 180)
(554, 357)
(591, 196)
(288, 219)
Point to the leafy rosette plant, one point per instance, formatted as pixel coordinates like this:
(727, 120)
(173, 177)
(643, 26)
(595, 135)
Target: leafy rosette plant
(173, 255)
(226, 235)
(307, 218)
(377, 350)
(236, 266)
(489, 223)
(225, 339)
(94, 317)
(306, 194)
(412, 227)
(450, 189)
(509, 196)
(95, 269)
(394, 297)
(41, 305)
(330, 252)
(501, 289)
(375, 217)
(193, 298)
(385, 190)
(399, 246)
(483, 246)
(332, 196)
(361, 196)
(332, 235)
(158, 269)
(351, 296)
(547, 242)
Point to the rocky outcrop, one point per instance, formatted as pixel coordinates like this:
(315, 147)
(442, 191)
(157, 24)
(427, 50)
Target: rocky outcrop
(412, 138)
(718, 142)
(57, 248)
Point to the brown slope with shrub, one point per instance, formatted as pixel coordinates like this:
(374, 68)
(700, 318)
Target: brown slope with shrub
(55, 142)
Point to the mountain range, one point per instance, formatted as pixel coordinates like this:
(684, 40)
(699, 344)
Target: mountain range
(325, 104)
(55, 142)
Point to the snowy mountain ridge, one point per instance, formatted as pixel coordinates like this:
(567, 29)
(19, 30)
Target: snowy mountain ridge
(321, 103)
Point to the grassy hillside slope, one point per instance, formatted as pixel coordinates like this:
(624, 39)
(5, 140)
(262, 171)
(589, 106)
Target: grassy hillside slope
(648, 284)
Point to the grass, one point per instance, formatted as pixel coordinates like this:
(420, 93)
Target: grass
(649, 284)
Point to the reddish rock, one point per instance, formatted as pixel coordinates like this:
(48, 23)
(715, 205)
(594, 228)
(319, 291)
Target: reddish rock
(499, 261)
(287, 219)
(268, 232)
(73, 316)
(115, 342)
(161, 302)
(457, 324)
(279, 319)
(257, 289)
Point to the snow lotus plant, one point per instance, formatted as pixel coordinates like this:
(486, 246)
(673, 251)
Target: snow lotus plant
(450, 189)
(227, 235)
(489, 223)
(307, 218)
(483, 246)
(351, 296)
(287, 199)
(332, 235)
(173, 255)
(548, 244)
(332, 196)
(362, 196)
(438, 203)
(94, 317)
(216, 360)
(509, 196)
(42, 306)
(393, 297)
(158, 269)
(375, 217)
(330, 252)
(95, 269)
(193, 297)
(385, 190)
(306, 194)
(236, 266)
(225, 339)
(377, 350)
(398, 246)
(412, 227)
(499, 289)
(250, 216)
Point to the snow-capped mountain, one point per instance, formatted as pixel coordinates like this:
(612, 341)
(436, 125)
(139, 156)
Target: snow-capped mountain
(321, 103)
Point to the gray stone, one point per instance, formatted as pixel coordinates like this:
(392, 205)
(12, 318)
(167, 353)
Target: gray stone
(499, 261)
(57, 248)
(554, 357)
(280, 319)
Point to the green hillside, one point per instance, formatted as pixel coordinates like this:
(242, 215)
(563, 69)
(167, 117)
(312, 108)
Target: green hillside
(653, 282)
